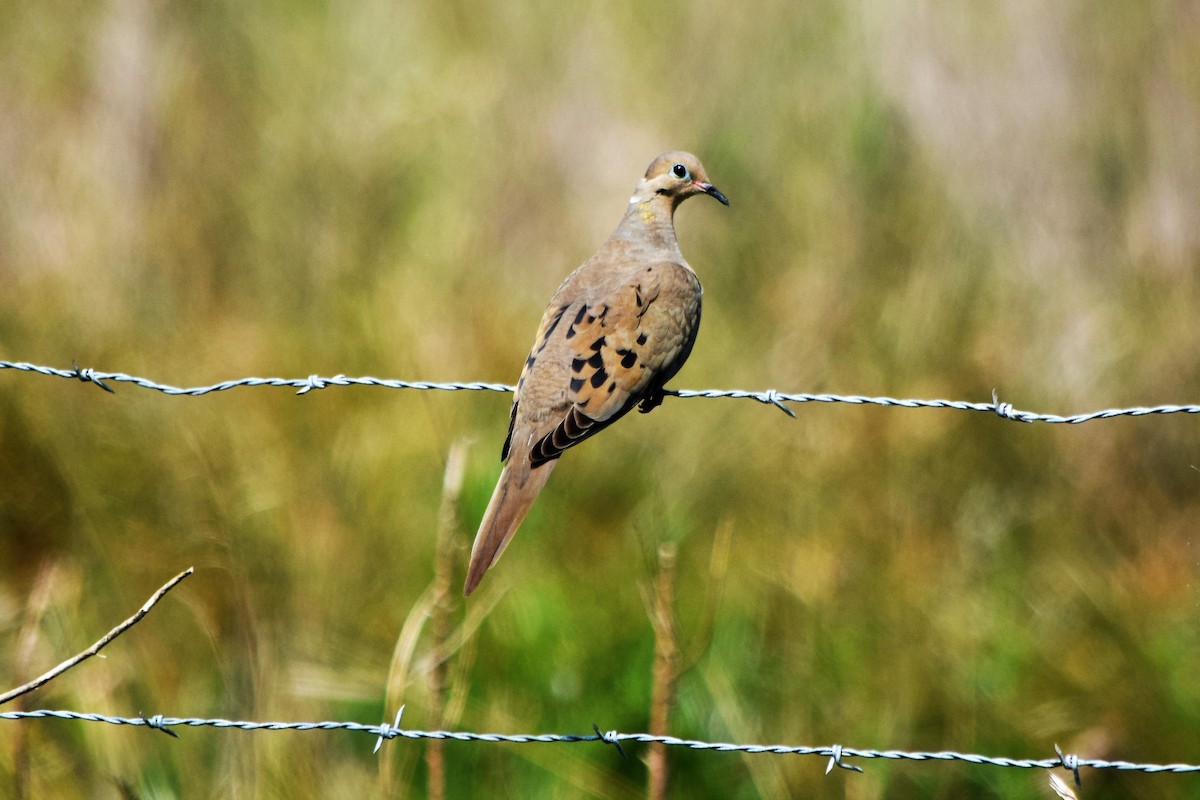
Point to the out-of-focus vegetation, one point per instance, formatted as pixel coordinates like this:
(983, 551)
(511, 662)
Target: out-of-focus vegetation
(928, 200)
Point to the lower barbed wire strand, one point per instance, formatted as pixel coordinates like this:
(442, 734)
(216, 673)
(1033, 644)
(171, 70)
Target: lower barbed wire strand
(387, 731)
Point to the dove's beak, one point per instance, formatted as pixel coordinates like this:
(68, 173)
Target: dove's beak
(711, 190)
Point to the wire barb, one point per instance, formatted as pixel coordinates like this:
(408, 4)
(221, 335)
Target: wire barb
(611, 737)
(389, 731)
(313, 382)
(88, 375)
(835, 760)
(156, 722)
(1070, 761)
(1006, 410)
(771, 397)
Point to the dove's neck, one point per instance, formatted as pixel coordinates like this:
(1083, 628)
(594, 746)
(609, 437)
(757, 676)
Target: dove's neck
(649, 221)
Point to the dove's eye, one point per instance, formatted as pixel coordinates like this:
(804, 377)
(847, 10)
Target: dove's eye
(680, 171)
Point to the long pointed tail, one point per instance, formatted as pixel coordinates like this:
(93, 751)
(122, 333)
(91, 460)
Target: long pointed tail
(515, 492)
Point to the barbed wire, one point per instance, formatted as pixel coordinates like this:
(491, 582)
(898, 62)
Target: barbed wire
(769, 396)
(836, 753)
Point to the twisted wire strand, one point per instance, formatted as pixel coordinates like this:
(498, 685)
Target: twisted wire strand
(768, 397)
(835, 753)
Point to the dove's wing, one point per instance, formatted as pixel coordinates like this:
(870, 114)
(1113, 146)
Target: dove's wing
(592, 361)
(617, 351)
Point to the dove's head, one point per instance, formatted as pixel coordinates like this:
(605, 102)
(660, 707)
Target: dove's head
(678, 176)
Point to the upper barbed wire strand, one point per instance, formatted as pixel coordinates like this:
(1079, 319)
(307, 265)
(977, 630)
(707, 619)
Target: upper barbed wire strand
(767, 397)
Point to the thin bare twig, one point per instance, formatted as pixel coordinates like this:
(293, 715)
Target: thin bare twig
(100, 644)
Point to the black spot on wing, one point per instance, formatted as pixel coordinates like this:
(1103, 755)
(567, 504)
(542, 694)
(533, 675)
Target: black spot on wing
(599, 377)
(576, 385)
(596, 361)
(577, 364)
(512, 423)
(628, 358)
(578, 318)
(642, 338)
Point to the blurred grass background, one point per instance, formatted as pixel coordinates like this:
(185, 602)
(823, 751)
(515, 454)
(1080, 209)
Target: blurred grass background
(929, 200)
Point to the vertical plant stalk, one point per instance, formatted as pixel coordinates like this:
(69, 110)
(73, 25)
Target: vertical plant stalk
(443, 605)
(39, 601)
(670, 660)
(666, 668)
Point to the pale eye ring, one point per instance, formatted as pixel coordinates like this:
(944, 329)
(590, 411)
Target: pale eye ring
(680, 171)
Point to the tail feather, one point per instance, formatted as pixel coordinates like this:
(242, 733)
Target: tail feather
(515, 492)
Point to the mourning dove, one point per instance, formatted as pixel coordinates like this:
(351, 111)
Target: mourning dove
(617, 329)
